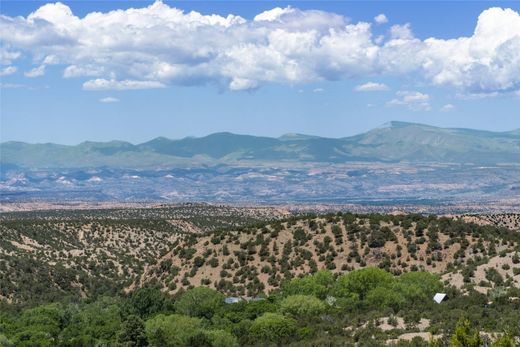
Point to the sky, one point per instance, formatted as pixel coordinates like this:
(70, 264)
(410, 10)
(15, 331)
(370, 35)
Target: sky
(105, 70)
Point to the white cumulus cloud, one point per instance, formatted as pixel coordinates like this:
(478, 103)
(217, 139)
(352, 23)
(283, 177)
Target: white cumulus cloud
(242, 84)
(102, 84)
(447, 108)
(413, 100)
(401, 32)
(371, 87)
(274, 14)
(381, 19)
(36, 72)
(7, 57)
(159, 45)
(8, 70)
(486, 62)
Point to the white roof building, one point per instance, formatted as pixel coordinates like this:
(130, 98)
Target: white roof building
(439, 297)
(232, 300)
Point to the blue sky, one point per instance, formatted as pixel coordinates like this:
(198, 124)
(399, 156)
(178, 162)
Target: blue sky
(337, 71)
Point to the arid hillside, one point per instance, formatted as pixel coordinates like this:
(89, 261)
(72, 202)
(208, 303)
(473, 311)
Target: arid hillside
(249, 260)
(102, 262)
(47, 254)
(506, 220)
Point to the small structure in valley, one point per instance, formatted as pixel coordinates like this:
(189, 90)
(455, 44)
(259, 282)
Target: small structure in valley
(232, 300)
(439, 297)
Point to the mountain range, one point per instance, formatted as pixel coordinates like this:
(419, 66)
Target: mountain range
(392, 142)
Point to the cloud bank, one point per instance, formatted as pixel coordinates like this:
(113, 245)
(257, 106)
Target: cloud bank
(159, 45)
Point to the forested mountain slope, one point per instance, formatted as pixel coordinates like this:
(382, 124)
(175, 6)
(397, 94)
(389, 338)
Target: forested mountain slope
(393, 142)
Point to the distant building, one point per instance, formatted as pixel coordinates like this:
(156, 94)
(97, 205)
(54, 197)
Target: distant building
(232, 300)
(235, 300)
(439, 297)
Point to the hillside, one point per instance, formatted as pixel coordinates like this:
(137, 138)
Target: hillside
(251, 260)
(160, 276)
(239, 251)
(393, 142)
(45, 255)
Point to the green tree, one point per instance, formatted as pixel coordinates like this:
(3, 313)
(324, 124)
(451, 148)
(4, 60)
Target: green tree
(200, 339)
(254, 309)
(40, 326)
(417, 288)
(464, 336)
(132, 333)
(33, 338)
(317, 284)
(273, 327)
(172, 330)
(504, 341)
(361, 282)
(324, 278)
(4, 341)
(221, 338)
(199, 302)
(145, 302)
(305, 306)
(427, 282)
(385, 297)
(97, 322)
(433, 343)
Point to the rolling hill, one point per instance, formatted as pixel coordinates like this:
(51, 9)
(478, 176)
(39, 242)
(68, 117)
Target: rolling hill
(241, 251)
(250, 260)
(393, 142)
(79, 277)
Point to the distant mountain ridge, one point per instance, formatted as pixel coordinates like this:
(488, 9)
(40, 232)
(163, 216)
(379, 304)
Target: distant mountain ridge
(392, 142)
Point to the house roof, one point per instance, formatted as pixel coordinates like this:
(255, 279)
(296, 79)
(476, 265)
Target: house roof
(439, 297)
(232, 300)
